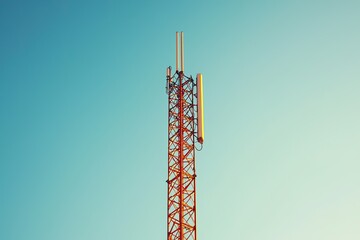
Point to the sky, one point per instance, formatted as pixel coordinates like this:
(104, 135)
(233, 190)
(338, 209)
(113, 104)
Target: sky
(83, 118)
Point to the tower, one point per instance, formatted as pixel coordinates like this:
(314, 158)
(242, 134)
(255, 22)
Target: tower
(185, 129)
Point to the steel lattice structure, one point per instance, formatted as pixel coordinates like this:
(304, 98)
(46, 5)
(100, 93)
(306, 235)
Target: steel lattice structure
(185, 117)
(181, 159)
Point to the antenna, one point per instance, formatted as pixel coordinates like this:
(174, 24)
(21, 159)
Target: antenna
(177, 52)
(185, 116)
(200, 109)
(182, 51)
(179, 49)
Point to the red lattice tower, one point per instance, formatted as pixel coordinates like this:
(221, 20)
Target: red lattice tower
(184, 116)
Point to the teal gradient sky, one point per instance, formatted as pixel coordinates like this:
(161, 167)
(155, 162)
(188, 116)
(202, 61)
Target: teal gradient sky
(83, 118)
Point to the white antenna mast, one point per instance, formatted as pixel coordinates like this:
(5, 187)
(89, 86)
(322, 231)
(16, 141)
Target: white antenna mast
(177, 52)
(182, 51)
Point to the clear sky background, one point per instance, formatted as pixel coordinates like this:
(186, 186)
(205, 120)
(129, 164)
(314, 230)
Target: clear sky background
(83, 118)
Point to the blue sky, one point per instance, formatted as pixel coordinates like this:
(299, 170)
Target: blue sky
(83, 118)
